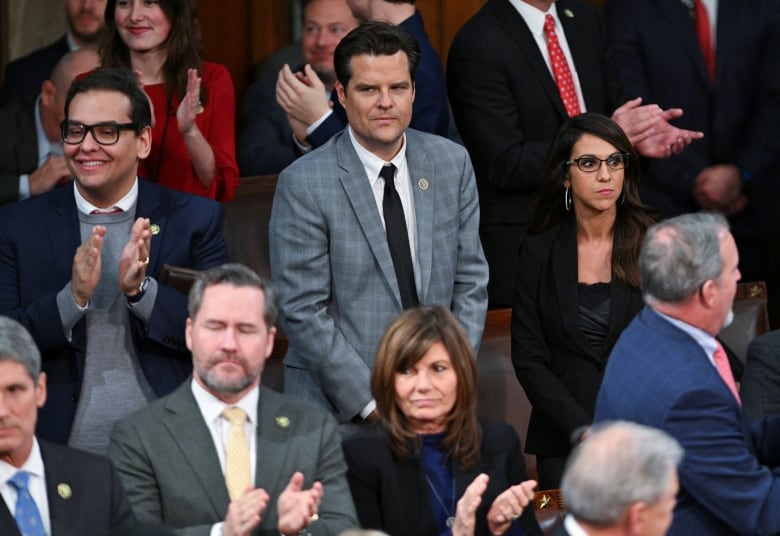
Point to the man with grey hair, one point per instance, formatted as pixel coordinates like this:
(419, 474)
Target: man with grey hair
(621, 480)
(47, 488)
(221, 447)
(668, 371)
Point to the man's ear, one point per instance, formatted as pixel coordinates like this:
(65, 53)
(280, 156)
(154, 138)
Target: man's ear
(48, 91)
(40, 390)
(188, 334)
(707, 293)
(144, 142)
(341, 91)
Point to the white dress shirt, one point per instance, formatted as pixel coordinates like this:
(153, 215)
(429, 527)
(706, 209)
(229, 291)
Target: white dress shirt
(534, 19)
(36, 486)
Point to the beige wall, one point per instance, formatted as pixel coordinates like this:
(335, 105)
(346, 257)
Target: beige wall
(29, 24)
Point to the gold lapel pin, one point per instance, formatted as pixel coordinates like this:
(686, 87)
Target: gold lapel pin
(64, 491)
(423, 184)
(155, 229)
(568, 13)
(282, 422)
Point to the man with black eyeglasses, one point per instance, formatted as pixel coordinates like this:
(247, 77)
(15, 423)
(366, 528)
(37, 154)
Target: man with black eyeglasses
(79, 267)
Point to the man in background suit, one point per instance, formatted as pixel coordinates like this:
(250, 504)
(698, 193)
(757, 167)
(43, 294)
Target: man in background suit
(735, 169)
(622, 480)
(760, 387)
(31, 160)
(508, 110)
(315, 119)
(177, 457)
(68, 491)
(265, 144)
(338, 230)
(668, 371)
(24, 76)
(79, 266)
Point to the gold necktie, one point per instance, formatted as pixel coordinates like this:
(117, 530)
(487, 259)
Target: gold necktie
(237, 469)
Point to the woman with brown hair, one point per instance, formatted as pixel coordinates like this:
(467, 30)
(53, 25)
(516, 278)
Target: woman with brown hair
(577, 282)
(432, 467)
(193, 137)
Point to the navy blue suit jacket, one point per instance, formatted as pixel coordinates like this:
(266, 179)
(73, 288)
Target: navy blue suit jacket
(38, 238)
(98, 504)
(659, 376)
(24, 76)
(659, 58)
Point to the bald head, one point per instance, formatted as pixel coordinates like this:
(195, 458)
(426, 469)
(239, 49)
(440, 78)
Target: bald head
(619, 465)
(55, 89)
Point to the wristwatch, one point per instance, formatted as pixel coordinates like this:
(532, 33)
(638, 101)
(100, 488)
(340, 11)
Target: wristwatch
(132, 300)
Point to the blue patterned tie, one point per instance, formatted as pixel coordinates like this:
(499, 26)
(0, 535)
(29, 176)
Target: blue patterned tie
(27, 516)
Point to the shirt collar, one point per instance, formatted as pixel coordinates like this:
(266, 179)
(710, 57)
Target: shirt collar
(572, 527)
(125, 204)
(33, 464)
(371, 162)
(534, 17)
(211, 407)
(707, 342)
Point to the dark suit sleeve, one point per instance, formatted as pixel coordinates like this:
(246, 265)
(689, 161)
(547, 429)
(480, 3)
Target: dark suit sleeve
(531, 355)
(719, 468)
(334, 124)
(336, 510)
(207, 250)
(364, 482)
(265, 144)
(760, 388)
(482, 92)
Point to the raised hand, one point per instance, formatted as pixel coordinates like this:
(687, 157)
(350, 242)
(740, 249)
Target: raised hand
(135, 257)
(298, 507)
(509, 505)
(86, 266)
(244, 513)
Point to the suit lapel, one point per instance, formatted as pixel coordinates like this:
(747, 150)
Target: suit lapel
(63, 511)
(681, 26)
(581, 45)
(564, 267)
(268, 436)
(421, 169)
(188, 430)
(358, 191)
(517, 31)
(64, 232)
(8, 525)
(148, 206)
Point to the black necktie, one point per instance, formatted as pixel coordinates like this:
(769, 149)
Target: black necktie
(398, 238)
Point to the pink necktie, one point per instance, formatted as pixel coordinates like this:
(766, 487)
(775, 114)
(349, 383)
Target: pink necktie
(112, 210)
(724, 369)
(560, 68)
(704, 35)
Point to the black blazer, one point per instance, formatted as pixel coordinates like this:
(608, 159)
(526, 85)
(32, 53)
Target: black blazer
(508, 110)
(97, 504)
(18, 145)
(24, 76)
(559, 371)
(392, 494)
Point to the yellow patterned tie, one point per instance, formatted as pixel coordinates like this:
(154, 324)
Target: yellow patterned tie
(237, 470)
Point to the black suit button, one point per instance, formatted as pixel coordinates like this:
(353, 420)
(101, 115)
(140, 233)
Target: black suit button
(74, 397)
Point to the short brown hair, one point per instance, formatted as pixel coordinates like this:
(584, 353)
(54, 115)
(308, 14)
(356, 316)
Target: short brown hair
(404, 343)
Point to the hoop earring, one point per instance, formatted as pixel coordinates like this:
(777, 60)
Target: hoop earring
(622, 200)
(567, 199)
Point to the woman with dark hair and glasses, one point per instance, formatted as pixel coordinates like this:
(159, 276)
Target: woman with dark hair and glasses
(577, 282)
(193, 134)
(432, 467)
